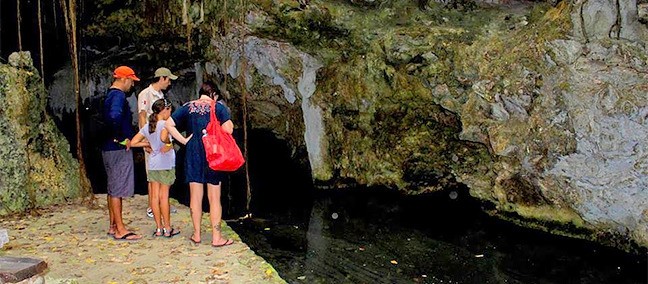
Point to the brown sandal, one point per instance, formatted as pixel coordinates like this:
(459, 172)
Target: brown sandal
(194, 241)
(226, 243)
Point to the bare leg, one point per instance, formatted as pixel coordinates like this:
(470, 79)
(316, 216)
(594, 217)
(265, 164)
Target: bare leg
(120, 229)
(195, 205)
(150, 198)
(116, 207)
(154, 196)
(111, 217)
(164, 205)
(215, 212)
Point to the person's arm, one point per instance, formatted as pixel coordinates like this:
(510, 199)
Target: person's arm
(115, 116)
(141, 107)
(139, 140)
(228, 126)
(168, 144)
(224, 115)
(141, 118)
(164, 136)
(171, 127)
(142, 121)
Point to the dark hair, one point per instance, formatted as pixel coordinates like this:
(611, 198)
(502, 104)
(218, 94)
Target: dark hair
(209, 89)
(157, 107)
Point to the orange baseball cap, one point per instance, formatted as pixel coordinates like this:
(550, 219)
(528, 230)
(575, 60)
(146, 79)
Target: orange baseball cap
(125, 72)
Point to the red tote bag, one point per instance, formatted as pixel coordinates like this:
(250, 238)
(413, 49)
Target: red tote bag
(220, 148)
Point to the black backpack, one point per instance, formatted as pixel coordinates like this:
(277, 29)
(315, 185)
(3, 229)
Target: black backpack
(96, 129)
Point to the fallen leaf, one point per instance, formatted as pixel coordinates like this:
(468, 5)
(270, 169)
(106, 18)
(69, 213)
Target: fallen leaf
(217, 272)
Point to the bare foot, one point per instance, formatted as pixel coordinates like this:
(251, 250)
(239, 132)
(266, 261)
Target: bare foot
(111, 231)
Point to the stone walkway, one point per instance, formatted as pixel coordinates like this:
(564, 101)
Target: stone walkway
(72, 240)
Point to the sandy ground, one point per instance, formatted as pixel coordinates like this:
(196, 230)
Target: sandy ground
(72, 240)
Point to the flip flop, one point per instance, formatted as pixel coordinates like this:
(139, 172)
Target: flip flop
(194, 241)
(125, 237)
(171, 233)
(226, 243)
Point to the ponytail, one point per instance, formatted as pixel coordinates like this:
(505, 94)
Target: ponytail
(152, 122)
(157, 107)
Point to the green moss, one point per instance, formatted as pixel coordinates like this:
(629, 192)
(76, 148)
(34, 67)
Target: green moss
(504, 58)
(310, 29)
(383, 92)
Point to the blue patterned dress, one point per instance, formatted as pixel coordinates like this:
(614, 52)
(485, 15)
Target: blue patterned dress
(193, 117)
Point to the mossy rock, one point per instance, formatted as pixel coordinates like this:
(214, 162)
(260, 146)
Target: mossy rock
(38, 168)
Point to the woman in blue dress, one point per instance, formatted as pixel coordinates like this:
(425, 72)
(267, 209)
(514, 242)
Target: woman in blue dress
(193, 117)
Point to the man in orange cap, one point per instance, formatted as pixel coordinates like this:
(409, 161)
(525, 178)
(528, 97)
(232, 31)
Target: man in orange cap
(117, 158)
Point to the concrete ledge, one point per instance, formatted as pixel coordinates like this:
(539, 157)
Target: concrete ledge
(16, 269)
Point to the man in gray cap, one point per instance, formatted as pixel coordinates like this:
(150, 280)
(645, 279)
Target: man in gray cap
(145, 100)
(152, 93)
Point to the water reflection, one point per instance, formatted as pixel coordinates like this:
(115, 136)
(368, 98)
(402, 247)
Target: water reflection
(382, 237)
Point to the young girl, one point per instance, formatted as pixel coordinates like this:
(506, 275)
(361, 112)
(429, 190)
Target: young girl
(161, 165)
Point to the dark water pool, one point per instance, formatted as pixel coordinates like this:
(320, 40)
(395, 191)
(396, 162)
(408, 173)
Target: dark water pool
(369, 235)
(376, 236)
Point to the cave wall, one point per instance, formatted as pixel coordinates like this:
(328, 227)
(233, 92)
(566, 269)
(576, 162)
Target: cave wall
(533, 107)
(536, 107)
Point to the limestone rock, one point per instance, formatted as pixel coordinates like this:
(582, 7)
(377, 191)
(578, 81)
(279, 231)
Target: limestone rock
(292, 77)
(21, 60)
(606, 175)
(566, 51)
(601, 19)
